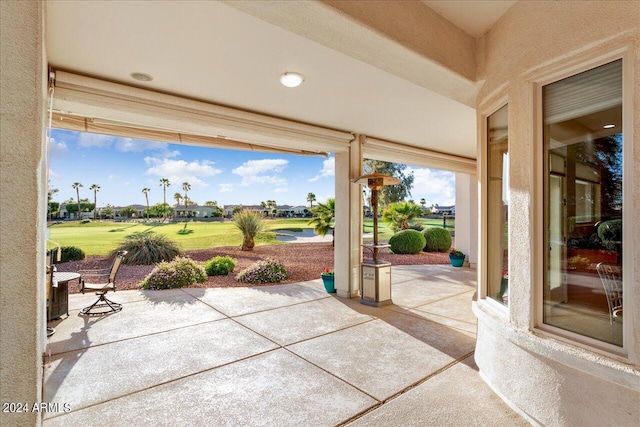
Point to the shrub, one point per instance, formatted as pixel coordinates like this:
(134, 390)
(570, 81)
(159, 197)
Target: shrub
(182, 271)
(85, 221)
(407, 242)
(250, 223)
(437, 239)
(220, 266)
(71, 253)
(397, 215)
(266, 271)
(147, 248)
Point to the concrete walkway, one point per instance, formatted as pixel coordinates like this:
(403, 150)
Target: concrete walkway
(275, 356)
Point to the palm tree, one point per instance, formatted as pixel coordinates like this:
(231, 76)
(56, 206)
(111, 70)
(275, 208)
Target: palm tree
(95, 188)
(398, 215)
(76, 186)
(311, 198)
(250, 223)
(271, 204)
(178, 198)
(324, 215)
(423, 202)
(186, 187)
(146, 196)
(211, 203)
(164, 183)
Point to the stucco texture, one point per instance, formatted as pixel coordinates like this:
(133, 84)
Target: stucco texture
(566, 385)
(23, 88)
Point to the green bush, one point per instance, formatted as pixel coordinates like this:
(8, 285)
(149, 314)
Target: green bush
(85, 221)
(250, 223)
(437, 239)
(266, 271)
(71, 253)
(147, 248)
(182, 271)
(220, 266)
(407, 242)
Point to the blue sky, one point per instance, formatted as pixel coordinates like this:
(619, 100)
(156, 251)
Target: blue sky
(122, 167)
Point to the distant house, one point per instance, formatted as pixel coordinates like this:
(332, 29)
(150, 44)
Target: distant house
(228, 209)
(443, 210)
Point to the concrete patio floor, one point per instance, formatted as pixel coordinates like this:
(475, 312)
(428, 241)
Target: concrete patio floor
(275, 356)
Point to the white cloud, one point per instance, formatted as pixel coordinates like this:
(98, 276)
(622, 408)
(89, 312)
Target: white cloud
(57, 148)
(53, 175)
(226, 188)
(328, 169)
(95, 140)
(281, 190)
(435, 186)
(263, 171)
(179, 171)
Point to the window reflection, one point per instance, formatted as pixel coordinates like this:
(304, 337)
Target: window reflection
(498, 206)
(583, 203)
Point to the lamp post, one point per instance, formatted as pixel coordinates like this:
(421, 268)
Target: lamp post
(375, 283)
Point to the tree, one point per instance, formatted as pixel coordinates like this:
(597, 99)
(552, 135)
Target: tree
(211, 203)
(391, 193)
(398, 215)
(178, 198)
(53, 207)
(159, 210)
(311, 198)
(146, 196)
(423, 202)
(271, 204)
(250, 223)
(186, 187)
(128, 211)
(164, 183)
(324, 217)
(95, 188)
(107, 211)
(76, 186)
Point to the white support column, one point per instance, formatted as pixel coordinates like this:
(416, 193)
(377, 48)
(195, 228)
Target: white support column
(467, 217)
(23, 177)
(348, 231)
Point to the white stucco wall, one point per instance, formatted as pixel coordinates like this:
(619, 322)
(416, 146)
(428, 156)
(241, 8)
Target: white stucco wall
(550, 382)
(22, 206)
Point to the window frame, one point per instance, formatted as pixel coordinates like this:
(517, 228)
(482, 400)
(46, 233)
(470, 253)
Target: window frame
(551, 75)
(492, 107)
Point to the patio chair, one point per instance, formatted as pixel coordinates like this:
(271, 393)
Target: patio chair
(101, 281)
(611, 276)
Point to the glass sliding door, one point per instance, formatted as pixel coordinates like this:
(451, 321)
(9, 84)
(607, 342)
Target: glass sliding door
(498, 206)
(583, 203)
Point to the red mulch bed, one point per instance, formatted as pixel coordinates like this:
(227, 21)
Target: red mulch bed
(304, 261)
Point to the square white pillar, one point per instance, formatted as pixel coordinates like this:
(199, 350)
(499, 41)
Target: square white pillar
(466, 239)
(348, 229)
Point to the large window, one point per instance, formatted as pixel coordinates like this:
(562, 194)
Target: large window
(583, 203)
(498, 206)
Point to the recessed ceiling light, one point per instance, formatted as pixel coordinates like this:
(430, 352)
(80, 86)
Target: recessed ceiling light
(143, 77)
(290, 79)
(609, 126)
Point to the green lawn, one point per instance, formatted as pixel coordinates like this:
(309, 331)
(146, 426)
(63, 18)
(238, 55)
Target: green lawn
(100, 237)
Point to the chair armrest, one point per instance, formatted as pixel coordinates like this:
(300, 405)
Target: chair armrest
(94, 275)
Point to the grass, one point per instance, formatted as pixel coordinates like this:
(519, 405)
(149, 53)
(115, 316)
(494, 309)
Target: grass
(99, 238)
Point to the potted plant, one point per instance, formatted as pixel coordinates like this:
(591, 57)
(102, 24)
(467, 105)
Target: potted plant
(456, 257)
(327, 279)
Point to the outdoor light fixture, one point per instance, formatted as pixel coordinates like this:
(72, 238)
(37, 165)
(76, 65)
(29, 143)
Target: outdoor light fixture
(291, 79)
(142, 77)
(609, 126)
(375, 284)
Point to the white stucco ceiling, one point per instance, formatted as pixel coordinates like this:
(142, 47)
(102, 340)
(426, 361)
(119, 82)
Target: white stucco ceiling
(212, 52)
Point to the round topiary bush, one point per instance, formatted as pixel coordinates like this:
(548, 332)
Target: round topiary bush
(71, 253)
(266, 271)
(407, 242)
(182, 271)
(147, 249)
(437, 239)
(220, 266)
